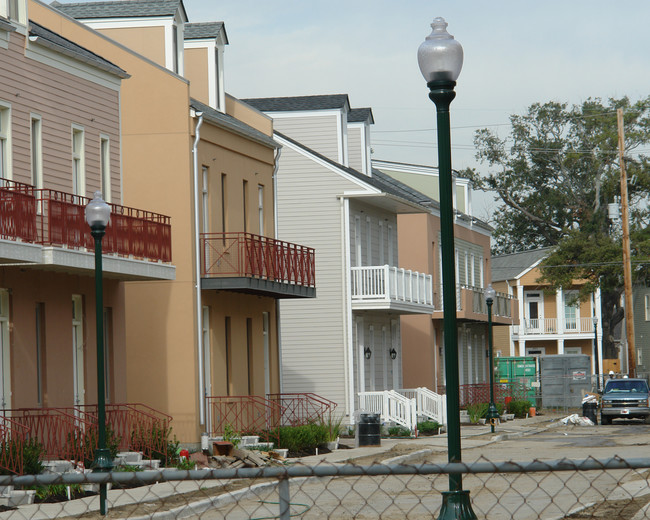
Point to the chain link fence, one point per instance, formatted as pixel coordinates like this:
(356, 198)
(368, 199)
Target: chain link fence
(579, 489)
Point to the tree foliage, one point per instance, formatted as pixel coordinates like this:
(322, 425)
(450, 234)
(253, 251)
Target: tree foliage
(555, 174)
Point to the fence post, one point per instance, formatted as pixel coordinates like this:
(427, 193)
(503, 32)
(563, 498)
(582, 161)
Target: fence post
(284, 498)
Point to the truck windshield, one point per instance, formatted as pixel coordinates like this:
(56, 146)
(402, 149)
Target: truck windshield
(624, 386)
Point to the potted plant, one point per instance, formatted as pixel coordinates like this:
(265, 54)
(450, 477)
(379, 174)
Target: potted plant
(332, 426)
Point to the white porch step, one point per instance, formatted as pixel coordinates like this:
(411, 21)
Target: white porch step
(18, 497)
(127, 458)
(57, 466)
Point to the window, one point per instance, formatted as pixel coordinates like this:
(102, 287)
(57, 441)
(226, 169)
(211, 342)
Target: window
(41, 387)
(11, 9)
(175, 48)
(78, 383)
(368, 241)
(37, 152)
(205, 199)
(571, 310)
(78, 164)
(381, 244)
(260, 207)
(250, 354)
(245, 204)
(223, 203)
(390, 245)
(647, 307)
(108, 352)
(105, 166)
(228, 339)
(5, 142)
(357, 240)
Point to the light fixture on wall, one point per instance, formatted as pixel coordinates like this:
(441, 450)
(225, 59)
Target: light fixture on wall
(367, 353)
(393, 353)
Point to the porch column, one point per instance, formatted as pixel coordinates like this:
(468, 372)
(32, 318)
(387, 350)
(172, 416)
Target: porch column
(560, 346)
(522, 347)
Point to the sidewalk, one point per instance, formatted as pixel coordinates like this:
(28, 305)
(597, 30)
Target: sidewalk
(396, 450)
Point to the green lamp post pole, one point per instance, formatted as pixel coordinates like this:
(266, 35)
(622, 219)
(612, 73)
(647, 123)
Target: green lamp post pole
(492, 413)
(98, 216)
(440, 58)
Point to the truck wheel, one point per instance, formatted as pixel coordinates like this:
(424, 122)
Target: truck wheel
(605, 420)
(647, 419)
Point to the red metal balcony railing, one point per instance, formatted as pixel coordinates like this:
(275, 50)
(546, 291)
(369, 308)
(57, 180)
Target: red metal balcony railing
(13, 437)
(302, 408)
(17, 211)
(248, 255)
(131, 232)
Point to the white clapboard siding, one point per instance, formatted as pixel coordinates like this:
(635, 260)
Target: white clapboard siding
(318, 132)
(355, 152)
(313, 333)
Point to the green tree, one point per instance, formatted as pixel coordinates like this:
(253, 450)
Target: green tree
(555, 174)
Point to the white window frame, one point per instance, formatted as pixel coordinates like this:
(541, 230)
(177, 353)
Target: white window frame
(13, 10)
(36, 142)
(79, 386)
(357, 240)
(5, 141)
(382, 255)
(368, 241)
(105, 166)
(205, 198)
(647, 307)
(567, 295)
(5, 351)
(77, 148)
(572, 350)
(391, 244)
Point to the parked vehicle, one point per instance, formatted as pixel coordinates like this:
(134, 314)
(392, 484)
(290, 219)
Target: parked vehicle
(625, 399)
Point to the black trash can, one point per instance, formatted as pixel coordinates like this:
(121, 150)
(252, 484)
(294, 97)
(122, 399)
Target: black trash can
(369, 430)
(590, 411)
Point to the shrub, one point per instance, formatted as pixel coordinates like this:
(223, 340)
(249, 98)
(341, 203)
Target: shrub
(299, 439)
(519, 408)
(477, 411)
(333, 427)
(399, 431)
(231, 435)
(32, 455)
(428, 427)
(153, 439)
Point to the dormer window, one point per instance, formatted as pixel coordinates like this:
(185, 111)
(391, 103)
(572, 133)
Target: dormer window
(14, 10)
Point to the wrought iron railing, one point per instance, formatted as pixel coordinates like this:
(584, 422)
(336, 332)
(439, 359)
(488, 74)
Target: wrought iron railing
(17, 211)
(13, 437)
(302, 408)
(255, 256)
(245, 414)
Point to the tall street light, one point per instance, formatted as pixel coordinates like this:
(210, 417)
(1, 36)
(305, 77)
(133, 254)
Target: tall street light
(440, 58)
(594, 319)
(98, 215)
(492, 413)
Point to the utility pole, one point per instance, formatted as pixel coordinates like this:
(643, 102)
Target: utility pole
(627, 263)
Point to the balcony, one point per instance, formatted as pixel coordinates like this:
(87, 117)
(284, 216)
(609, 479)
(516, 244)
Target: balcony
(253, 264)
(42, 227)
(471, 306)
(555, 327)
(391, 288)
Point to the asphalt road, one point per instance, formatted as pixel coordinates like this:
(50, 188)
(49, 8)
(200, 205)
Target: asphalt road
(563, 494)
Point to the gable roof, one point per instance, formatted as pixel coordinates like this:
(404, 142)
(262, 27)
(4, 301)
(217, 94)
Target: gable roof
(204, 30)
(513, 266)
(361, 115)
(298, 103)
(40, 35)
(230, 123)
(121, 8)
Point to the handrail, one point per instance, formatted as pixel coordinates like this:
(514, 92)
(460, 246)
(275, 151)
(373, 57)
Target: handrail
(13, 437)
(392, 407)
(303, 408)
(17, 211)
(428, 403)
(390, 283)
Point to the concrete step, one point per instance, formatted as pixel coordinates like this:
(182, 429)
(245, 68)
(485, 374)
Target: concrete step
(57, 466)
(127, 458)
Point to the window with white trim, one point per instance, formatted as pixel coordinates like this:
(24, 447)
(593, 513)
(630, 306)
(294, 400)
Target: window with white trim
(37, 151)
(260, 207)
(368, 241)
(381, 244)
(14, 10)
(5, 364)
(205, 199)
(390, 245)
(5, 141)
(78, 162)
(647, 307)
(105, 166)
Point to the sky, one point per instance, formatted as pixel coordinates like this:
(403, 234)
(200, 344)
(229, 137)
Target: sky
(516, 53)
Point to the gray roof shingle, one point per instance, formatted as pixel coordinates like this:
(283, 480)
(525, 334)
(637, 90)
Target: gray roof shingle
(60, 44)
(286, 104)
(229, 122)
(204, 30)
(120, 8)
(361, 115)
(509, 267)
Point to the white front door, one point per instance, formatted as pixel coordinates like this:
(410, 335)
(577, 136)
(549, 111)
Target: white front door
(79, 388)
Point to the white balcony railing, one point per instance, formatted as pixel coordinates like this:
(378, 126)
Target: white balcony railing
(391, 406)
(391, 287)
(555, 326)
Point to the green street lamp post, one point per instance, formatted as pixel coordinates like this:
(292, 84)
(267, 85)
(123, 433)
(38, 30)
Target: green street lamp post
(492, 413)
(441, 58)
(98, 215)
(594, 319)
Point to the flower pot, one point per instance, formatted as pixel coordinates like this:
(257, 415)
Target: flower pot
(333, 445)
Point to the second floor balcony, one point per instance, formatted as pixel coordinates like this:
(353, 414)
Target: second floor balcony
(385, 287)
(43, 227)
(471, 305)
(248, 263)
(555, 327)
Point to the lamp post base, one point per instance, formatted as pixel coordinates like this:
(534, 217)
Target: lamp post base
(492, 416)
(102, 463)
(456, 506)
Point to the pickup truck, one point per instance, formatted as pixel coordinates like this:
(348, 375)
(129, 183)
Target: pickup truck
(625, 399)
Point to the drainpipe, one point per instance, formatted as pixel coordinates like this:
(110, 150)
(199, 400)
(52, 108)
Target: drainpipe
(275, 235)
(197, 268)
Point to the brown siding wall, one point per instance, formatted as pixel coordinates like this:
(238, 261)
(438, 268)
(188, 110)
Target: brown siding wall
(61, 99)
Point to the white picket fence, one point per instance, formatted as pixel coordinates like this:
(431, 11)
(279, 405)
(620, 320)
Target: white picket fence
(428, 404)
(391, 406)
